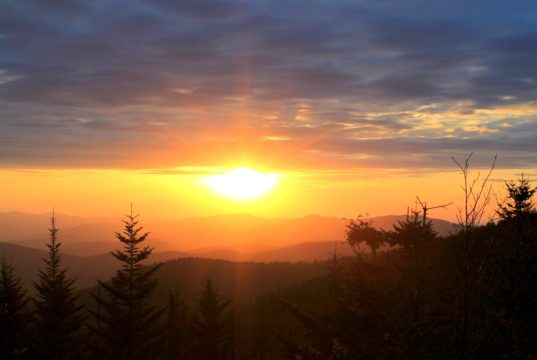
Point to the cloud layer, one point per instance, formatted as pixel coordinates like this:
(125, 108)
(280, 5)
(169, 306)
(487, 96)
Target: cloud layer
(301, 84)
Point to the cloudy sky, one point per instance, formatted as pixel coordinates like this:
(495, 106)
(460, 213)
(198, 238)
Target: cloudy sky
(318, 85)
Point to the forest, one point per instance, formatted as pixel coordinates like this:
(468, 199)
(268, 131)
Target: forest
(405, 293)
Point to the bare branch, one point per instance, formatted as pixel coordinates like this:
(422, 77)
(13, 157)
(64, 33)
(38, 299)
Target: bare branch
(476, 196)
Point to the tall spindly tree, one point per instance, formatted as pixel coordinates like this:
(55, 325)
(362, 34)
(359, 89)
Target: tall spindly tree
(13, 315)
(477, 197)
(128, 327)
(58, 316)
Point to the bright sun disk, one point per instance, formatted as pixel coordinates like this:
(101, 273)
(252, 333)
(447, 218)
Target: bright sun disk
(242, 183)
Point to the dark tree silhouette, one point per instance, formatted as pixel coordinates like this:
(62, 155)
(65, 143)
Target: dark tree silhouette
(360, 231)
(13, 315)
(415, 238)
(177, 326)
(476, 200)
(519, 202)
(213, 326)
(514, 268)
(412, 236)
(261, 341)
(127, 325)
(58, 317)
(321, 339)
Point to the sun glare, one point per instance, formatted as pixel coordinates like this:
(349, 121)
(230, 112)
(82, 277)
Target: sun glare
(242, 183)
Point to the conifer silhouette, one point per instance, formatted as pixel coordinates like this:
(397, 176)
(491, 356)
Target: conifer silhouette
(213, 326)
(13, 316)
(519, 202)
(129, 327)
(58, 317)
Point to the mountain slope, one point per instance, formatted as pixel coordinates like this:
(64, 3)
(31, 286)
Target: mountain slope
(236, 237)
(88, 239)
(17, 226)
(186, 273)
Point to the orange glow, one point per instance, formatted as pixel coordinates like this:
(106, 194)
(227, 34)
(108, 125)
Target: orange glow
(242, 183)
(176, 193)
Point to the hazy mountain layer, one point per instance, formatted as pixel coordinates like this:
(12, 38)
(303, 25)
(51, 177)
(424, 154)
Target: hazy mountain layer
(234, 237)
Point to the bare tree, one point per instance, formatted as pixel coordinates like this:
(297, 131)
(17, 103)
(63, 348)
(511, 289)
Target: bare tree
(477, 196)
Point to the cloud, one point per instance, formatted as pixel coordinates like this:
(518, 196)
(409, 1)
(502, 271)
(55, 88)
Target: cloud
(370, 83)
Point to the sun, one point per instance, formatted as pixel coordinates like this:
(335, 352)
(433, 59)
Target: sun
(242, 183)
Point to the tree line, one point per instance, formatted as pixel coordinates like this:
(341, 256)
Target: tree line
(406, 294)
(124, 324)
(471, 295)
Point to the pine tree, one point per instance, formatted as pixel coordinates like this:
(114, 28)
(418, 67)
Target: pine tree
(129, 327)
(13, 316)
(519, 202)
(213, 327)
(515, 280)
(412, 236)
(415, 237)
(58, 317)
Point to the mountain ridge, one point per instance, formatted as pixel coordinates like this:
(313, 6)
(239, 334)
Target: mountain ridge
(238, 235)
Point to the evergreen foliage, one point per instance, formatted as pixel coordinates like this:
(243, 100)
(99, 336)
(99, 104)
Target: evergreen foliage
(13, 315)
(470, 295)
(412, 235)
(372, 310)
(519, 202)
(127, 325)
(213, 326)
(58, 316)
(360, 231)
(514, 265)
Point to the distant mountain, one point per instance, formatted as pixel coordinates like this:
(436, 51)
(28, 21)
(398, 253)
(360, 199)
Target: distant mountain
(178, 271)
(17, 226)
(310, 251)
(27, 260)
(308, 238)
(247, 233)
(235, 237)
(86, 270)
(233, 230)
(88, 239)
(442, 227)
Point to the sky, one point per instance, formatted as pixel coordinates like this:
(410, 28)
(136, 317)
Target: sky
(359, 105)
